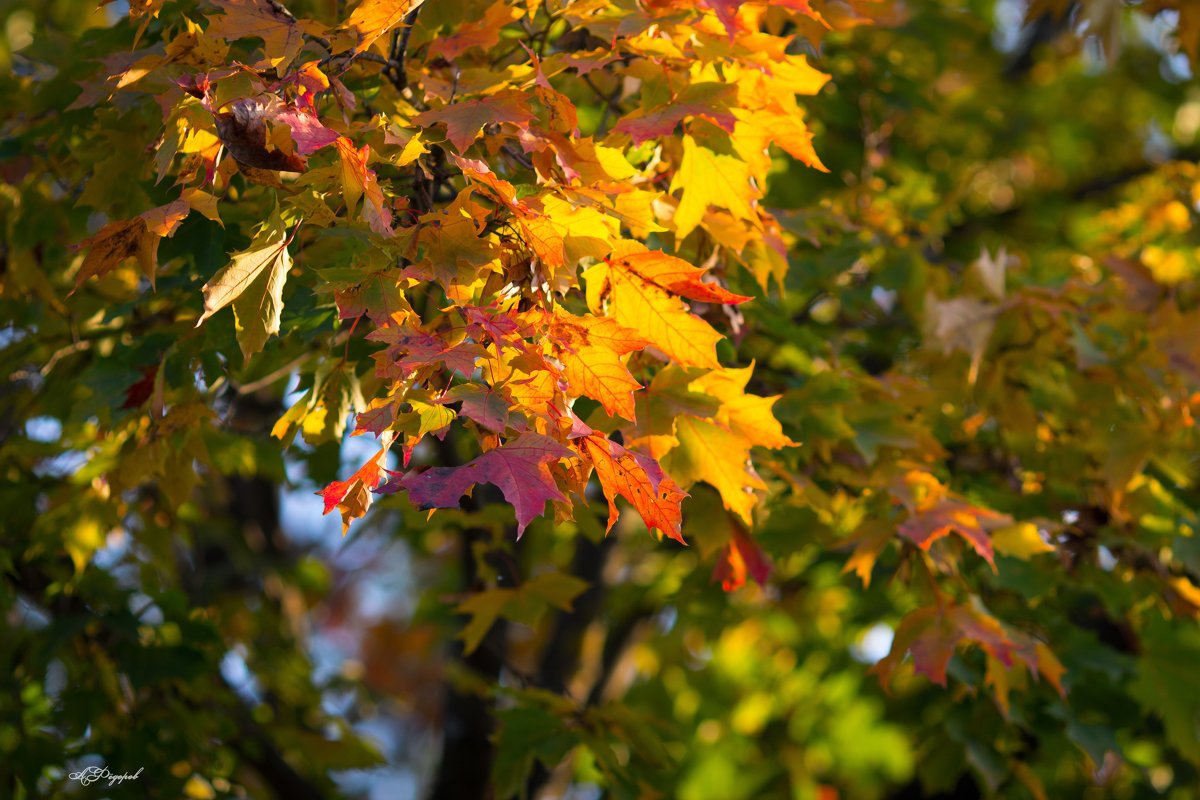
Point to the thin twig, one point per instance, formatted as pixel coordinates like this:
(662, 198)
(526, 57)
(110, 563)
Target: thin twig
(610, 104)
(610, 101)
(399, 75)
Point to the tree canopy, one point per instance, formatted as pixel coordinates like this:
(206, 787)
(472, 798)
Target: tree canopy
(710, 399)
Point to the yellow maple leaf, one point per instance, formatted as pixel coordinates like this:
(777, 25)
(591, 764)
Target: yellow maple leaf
(719, 457)
(657, 315)
(746, 415)
(708, 179)
(373, 18)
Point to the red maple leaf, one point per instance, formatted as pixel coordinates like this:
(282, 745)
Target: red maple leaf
(140, 391)
(741, 557)
(520, 469)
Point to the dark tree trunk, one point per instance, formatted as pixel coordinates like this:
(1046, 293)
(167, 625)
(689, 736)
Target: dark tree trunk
(468, 722)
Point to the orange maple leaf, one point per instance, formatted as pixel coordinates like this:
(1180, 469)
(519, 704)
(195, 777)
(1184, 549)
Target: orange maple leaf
(465, 119)
(640, 480)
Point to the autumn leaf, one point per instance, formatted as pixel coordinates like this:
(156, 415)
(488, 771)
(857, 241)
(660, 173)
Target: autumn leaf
(781, 125)
(352, 497)
(465, 119)
(869, 541)
(527, 603)
(676, 276)
(740, 558)
(410, 349)
(310, 82)
(1022, 540)
(258, 310)
(379, 416)
(373, 18)
(243, 129)
(378, 296)
(135, 238)
(709, 179)
(590, 349)
(713, 454)
(253, 282)
(282, 35)
(714, 425)
(970, 522)
(727, 12)
(457, 251)
(668, 396)
(424, 417)
(637, 478)
(932, 635)
(710, 101)
(746, 415)
(545, 239)
(520, 469)
(309, 134)
(484, 405)
(654, 313)
(359, 181)
(483, 33)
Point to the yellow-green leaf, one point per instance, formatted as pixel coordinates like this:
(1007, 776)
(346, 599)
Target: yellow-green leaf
(1020, 541)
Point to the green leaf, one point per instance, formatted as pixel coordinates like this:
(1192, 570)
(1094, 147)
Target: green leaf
(527, 734)
(1165, 682)
(253, 282)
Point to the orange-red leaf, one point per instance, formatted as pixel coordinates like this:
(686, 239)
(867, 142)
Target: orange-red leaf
(708, 100)
(931, 634)
(676, 276)
(970, 522)
(352, 497)
(640, 480)
(483, 33)
(741, 557)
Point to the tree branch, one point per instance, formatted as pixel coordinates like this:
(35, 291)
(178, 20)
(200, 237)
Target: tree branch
(399, 50)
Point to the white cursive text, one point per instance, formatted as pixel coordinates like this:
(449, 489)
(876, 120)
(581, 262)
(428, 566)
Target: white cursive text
(92, 774)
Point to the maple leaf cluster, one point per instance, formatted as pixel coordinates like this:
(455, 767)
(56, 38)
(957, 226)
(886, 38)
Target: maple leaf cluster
(555, 285)
(526, 274)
